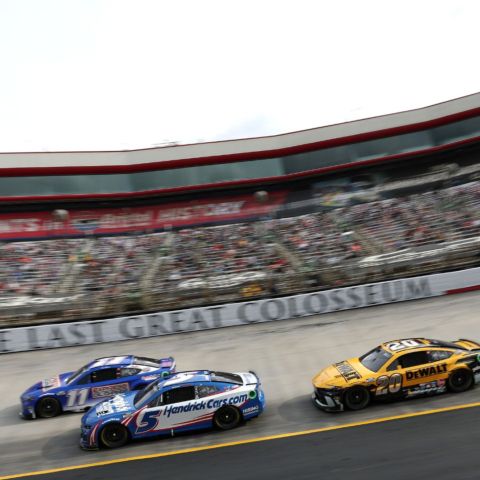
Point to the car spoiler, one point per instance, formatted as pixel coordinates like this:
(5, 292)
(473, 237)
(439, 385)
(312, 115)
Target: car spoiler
(256, 376)
(468, 344)
(166, 360)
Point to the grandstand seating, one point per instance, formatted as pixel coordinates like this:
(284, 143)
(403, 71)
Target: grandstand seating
(373, 241)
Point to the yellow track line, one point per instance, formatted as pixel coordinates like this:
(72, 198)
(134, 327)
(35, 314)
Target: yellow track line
(244, 442)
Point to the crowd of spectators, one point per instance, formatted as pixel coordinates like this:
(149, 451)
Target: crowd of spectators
(126, 268)
(419, 220)
(383, 226)
(115, 264)
(98, 267)
(34, 268)
(222, 250)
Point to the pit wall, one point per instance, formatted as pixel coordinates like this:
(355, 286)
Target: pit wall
(233, 314)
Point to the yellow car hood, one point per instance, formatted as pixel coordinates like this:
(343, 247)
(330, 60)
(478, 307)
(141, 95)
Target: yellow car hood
(341, 374)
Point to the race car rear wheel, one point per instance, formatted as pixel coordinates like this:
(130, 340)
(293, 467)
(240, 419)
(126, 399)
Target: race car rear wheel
(114, 435)
(460, 380)
(48, 407)
(227, 417)
(356, 398)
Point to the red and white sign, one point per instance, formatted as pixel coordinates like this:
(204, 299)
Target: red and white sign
(117, 220)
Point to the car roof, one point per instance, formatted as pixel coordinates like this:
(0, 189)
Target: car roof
(416, 343)
(109, 362)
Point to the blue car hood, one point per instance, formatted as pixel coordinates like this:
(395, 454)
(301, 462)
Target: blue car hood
(119, 405)
(49, 383)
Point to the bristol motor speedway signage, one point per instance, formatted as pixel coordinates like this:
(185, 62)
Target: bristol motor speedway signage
(244, 313)
(103, 221)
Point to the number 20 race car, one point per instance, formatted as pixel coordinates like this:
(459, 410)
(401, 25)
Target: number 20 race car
(186, 401)
(103, 378)
(398, 369)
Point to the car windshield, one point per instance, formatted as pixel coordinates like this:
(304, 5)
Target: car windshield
(144, 396)
(375, 359)
(73, 378)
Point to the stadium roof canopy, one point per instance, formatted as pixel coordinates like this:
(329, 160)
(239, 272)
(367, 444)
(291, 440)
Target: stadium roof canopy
(112, 174)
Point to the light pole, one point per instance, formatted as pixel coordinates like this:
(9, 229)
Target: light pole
(62, 216)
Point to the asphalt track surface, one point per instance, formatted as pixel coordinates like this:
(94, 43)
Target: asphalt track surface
(431, 446)
(285, 355)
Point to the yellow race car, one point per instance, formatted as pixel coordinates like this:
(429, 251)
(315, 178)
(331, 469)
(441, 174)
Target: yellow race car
(398, 369)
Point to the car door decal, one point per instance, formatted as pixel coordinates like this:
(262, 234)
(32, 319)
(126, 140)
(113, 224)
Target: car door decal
(149, 421)
(184, 414)
(77, 397)
(110, 390)
(391, 385)
(427, 371)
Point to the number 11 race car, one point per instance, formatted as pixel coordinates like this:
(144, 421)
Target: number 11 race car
(398, 369)
(103, 378)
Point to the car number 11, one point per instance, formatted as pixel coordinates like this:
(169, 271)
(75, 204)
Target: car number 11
(76, 398)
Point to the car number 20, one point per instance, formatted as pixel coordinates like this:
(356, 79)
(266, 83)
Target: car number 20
(402, 344)
(391, 384)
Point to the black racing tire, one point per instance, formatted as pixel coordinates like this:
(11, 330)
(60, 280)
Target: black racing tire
(460, 380)
(356, 398)
(227, 417)
(113, 435)
(48, 407)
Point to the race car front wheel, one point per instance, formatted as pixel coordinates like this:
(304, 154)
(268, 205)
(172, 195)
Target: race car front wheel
(356, 398)
(114, 435)
(227, 417)
(460, 380)
(48, 407)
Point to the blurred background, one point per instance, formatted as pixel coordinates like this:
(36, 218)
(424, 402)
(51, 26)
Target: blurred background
(129, 232)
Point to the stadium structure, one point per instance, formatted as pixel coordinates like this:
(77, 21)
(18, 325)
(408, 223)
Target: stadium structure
(207, 223)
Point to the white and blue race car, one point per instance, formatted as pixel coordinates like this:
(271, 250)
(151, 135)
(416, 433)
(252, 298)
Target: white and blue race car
(186, 401)
(96, 381)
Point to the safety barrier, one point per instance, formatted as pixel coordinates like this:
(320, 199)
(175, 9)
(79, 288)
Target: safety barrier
(232, 314)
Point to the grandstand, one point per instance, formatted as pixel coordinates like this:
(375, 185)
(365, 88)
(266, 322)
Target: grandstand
(164, 228)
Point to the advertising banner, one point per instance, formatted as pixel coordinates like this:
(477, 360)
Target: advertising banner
(103, 221)
(244, 313)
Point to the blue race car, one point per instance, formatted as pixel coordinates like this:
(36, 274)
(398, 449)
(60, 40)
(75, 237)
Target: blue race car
(103, 378)
(186, 401)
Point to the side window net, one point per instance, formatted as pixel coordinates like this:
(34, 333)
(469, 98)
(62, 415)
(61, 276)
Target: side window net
(413, 359)
(177, 395)
(103, 375)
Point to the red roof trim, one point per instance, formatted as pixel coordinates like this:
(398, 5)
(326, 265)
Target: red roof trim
(254, 138)
(235, 157)
(237, 183)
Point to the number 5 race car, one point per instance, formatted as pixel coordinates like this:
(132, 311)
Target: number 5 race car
(103, 378)
(398, 369)
(186, 401)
